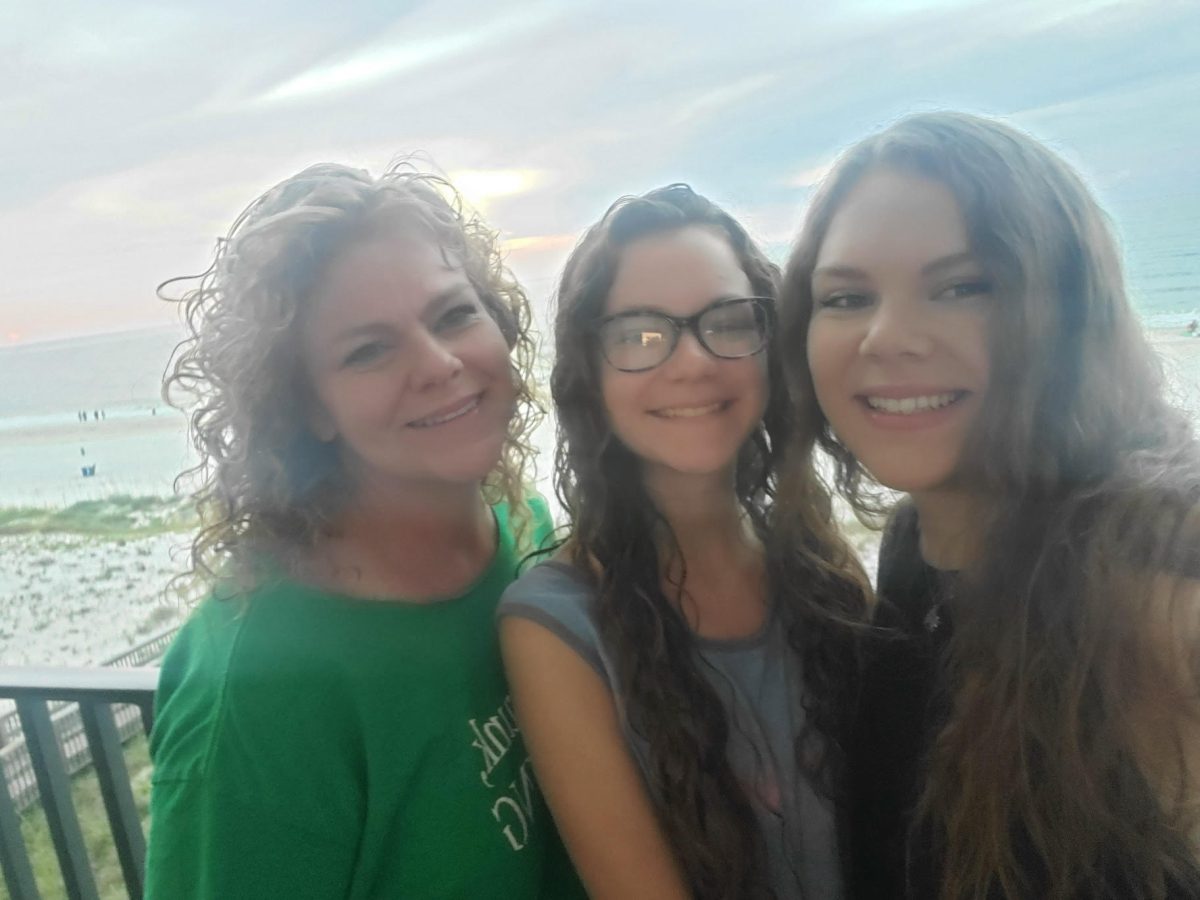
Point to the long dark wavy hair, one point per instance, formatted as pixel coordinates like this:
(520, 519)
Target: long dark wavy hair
(267, 486)
(1063, 770)
(620, 539)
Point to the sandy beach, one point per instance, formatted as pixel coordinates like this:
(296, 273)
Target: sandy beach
(78, 598)
(1181, 362)
(73, 600)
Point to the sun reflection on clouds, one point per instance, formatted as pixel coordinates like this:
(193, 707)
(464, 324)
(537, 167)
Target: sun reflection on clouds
(480, 186)
(810, 176)
(537, 261)
(539, 243)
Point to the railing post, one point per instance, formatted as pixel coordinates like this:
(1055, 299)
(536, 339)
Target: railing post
(42, 751)
(147, 710)
(55, 787)
(108, 758)
(18, 874)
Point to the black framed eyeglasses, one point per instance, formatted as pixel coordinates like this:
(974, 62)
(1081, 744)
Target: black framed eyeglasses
(637, 340)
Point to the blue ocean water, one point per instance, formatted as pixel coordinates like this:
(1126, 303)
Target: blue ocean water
(1160, 237)
(135, 442)
(119, 370)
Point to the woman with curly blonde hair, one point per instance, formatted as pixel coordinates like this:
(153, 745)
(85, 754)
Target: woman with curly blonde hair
(333, 720)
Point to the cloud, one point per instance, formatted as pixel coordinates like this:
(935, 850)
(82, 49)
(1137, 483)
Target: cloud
(480, 186)
(133, 137)
(809, 176)
(388, 59)
(714, 101)
(539, 243)
(84, 37)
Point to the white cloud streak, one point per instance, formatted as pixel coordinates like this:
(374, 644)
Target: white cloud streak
(397, 56)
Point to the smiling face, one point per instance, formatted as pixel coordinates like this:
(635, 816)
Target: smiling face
(410, 373)
(692, 413)
(897, 342)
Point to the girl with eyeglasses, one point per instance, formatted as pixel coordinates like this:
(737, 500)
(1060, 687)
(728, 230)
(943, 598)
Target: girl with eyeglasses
(681, 666)
(960, 332)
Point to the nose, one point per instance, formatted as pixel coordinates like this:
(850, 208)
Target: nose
(434, 361)
(896, 329)
(689, 360)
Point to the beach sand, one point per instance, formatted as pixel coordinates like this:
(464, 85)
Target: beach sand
(1181, 362)
(76, 599)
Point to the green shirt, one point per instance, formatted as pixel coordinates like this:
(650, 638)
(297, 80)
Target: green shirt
(311, 745)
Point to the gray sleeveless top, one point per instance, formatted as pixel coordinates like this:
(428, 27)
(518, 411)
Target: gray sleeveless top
(759, 682)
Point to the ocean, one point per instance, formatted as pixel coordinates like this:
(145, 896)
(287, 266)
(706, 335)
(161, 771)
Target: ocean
(1159, 233)
(70, 405)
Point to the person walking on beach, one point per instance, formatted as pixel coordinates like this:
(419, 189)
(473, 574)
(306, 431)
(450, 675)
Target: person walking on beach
(1030, 719)
(682, 668)
(333, 720)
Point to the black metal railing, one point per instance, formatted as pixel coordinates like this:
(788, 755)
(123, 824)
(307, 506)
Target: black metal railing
(49, 702)
(16, 765)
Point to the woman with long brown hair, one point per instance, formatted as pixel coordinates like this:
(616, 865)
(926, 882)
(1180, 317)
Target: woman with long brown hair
(333, 720)
(959, 331)
(681, 667)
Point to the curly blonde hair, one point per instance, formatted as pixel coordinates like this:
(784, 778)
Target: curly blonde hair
(267, 487)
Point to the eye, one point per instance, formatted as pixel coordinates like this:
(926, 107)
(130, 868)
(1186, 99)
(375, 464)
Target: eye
(844, 300)
(729, 322)
(457, 316)
(639, 337)
(634, 331)
(965, 290)
(365, 354)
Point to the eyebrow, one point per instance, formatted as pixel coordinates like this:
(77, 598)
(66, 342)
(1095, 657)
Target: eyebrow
(440, 299)
(930, 268)
(839, 272)
(948, 262)
(358, 331)
(449, 295)
(658, 311)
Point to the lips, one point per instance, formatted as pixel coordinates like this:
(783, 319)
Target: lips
(448, 413)
(694, 411)
(911, 408)
(915, 403)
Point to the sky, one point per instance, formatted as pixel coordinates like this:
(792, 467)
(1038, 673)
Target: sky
(133, 133)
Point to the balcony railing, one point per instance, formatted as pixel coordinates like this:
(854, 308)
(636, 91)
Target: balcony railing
(68, 718)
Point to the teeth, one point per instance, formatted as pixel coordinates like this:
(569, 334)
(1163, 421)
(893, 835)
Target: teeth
(467, 407)
(688, 412)
(910, 405)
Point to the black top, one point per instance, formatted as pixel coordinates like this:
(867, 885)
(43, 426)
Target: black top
(905, 702)
(902, 708)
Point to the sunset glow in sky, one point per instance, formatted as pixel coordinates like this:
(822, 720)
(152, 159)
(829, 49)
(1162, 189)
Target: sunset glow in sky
(135, 132)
